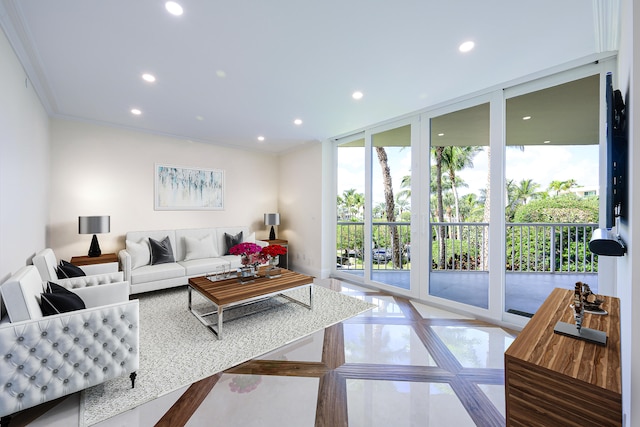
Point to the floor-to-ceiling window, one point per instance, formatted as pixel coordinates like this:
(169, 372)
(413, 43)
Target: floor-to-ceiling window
(459, 215)
(552, 188)
(390, 207)
(374, 205)
(350, 205)
(489, 206)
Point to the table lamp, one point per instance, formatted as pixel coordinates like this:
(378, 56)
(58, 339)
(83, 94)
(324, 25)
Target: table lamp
(272, 219)
(94, 225)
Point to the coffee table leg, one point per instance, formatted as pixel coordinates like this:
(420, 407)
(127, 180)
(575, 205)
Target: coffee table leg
(220, 310)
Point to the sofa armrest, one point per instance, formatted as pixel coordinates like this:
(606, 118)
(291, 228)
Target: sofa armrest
(125, 263)
(42, 360)
(104, 268)
(96, 296)
(262, 243)
(90, 281)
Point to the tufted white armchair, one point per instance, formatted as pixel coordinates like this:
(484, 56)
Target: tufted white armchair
(45, 357)
(97, 274)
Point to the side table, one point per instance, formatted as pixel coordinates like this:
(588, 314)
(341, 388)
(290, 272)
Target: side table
(284, 260)
(90, 260)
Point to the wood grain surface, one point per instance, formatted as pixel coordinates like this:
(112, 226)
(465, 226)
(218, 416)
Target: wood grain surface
(552, 379)
(230, 291)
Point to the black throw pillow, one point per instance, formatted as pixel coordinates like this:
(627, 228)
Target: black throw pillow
(66, 270)
(161, 252)
(58, 299)
(231, 241)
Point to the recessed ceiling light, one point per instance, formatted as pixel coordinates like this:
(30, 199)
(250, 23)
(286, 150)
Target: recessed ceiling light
(546, 142)
(221, 74)
(466, 46)
(149, 77)
(357, 95)
(173, 8)
(441, 134)
(297, 122)
(526, 118)
(136, 111)
(261, 138)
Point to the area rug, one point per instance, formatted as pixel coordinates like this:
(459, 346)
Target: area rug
(177, 350)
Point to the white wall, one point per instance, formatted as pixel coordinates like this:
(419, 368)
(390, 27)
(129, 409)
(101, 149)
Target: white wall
(24, 165)
(300, 205)
(628, 267)
(99, 170)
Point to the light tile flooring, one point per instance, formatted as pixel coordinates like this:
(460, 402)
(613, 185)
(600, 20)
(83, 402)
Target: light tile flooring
(400, 364)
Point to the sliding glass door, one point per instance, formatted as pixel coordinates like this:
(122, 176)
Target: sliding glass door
(390, 207)
(552, 188)
(350, 205)
(459, 209)
(484, 205)
(374, 205)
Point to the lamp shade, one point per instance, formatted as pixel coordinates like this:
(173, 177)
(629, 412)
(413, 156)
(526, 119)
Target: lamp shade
(94, 224)
(272, 219)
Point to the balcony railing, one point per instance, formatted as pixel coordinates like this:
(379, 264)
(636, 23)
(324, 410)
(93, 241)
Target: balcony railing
(543, 248)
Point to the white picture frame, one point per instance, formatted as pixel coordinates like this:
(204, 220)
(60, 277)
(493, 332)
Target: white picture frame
(188, 188)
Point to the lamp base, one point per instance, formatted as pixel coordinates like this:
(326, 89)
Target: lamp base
(272, 234)
(94, 249)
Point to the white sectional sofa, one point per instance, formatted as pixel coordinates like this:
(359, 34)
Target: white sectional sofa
(196, 251)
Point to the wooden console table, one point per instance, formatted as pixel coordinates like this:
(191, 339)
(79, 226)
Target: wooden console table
(90, 260)
(554, 380)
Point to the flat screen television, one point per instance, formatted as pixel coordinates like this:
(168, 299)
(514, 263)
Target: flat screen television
(616, 162)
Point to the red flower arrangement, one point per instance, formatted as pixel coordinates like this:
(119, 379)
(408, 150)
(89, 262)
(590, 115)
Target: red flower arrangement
(256, 254)
(273, 251)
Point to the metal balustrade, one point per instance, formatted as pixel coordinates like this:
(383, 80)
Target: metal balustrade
(531, 248)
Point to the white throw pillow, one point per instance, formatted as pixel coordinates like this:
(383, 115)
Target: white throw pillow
(199, 248)
(140, 253)
(251, 238)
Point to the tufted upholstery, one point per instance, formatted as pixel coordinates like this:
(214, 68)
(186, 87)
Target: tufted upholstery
(97, 274)
(46, 358)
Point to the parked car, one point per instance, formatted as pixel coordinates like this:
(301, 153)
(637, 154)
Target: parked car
(381, 255)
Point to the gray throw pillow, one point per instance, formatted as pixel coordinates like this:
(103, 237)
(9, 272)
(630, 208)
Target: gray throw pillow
(161, 252)
(230, 241)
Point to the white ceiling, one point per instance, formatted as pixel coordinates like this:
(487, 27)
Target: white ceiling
(283, 59)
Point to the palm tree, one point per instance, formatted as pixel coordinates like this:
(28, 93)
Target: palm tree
(379, 210)
(390, 205)
(457, 158)
(438, 151)
(526, 191)
(353, 203)
(555, 186)
(568, 184)
(402, 204)
(405, 184)
(470, 208)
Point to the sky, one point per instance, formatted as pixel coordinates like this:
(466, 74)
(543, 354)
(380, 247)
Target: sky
(542, 163)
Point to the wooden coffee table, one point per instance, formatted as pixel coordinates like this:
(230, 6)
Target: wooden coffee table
(230, 293)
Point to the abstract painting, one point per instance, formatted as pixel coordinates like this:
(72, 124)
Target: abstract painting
(182, 188)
